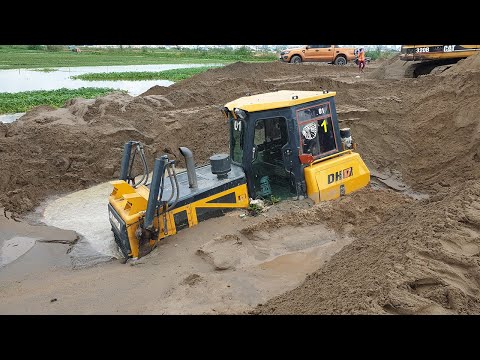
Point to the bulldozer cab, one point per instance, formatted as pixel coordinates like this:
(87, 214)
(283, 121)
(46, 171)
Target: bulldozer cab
(273, 136)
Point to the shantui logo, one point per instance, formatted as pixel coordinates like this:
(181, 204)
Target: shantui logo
(339, 175)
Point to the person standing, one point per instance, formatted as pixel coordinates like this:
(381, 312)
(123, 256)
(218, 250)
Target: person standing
(361, 59)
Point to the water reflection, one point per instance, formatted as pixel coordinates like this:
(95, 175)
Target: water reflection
(9, 118)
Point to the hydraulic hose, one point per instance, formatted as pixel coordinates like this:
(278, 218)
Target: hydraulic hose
(129, 178)
(171, 183)
(172, 166)
(144, 179)
(145, 164)
(175, 190)
(175, 187)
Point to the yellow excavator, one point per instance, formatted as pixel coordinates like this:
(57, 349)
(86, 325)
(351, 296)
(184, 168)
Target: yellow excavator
(286, 144)
(429, 59)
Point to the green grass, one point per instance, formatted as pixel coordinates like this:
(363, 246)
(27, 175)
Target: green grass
(380, 53)
(24, 101)
(172, 75)
(33, 56)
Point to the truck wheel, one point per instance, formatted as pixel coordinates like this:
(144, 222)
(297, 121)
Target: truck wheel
(340, 60)
(296, 59)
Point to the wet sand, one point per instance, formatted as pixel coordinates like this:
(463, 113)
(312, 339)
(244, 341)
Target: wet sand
(19, 242)
(212, 268)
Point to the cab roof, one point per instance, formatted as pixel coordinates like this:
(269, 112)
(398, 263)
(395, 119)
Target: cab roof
(277, 99)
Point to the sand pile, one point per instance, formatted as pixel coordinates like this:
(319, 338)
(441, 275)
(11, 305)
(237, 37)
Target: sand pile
(220, 85)
(470, 64)
(431, 135)
(393, 68)
(408, 256)
(79, 145)
(419, 257)
(53, 151)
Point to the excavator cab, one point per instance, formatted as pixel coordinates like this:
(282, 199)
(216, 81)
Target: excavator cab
(282, 144)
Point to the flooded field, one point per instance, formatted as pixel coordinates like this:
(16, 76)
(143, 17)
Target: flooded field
(17, 80)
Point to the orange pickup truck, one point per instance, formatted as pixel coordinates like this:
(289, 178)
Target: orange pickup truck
(322, 53)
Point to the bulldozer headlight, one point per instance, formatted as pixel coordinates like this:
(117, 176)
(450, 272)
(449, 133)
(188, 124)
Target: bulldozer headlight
(240, 113)
(225, 112)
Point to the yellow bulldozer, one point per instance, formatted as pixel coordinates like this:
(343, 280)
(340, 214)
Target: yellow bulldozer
(429, 59)
(286, 144)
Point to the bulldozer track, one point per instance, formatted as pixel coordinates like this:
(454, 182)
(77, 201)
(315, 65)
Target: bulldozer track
(428, 67)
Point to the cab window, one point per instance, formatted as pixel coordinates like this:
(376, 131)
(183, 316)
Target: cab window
(317, 134)
(237, 131)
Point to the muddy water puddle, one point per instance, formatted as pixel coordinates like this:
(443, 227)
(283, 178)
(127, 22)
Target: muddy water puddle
(221, 269)
(84, 212)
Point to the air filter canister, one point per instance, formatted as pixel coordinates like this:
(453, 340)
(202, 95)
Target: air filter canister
(220, 164)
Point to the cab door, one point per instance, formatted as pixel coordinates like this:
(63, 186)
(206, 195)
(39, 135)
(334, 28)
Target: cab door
(272, 164)
(326, 53)
(312, 53)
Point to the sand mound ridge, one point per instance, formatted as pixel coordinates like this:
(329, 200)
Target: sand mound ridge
(470, 64)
